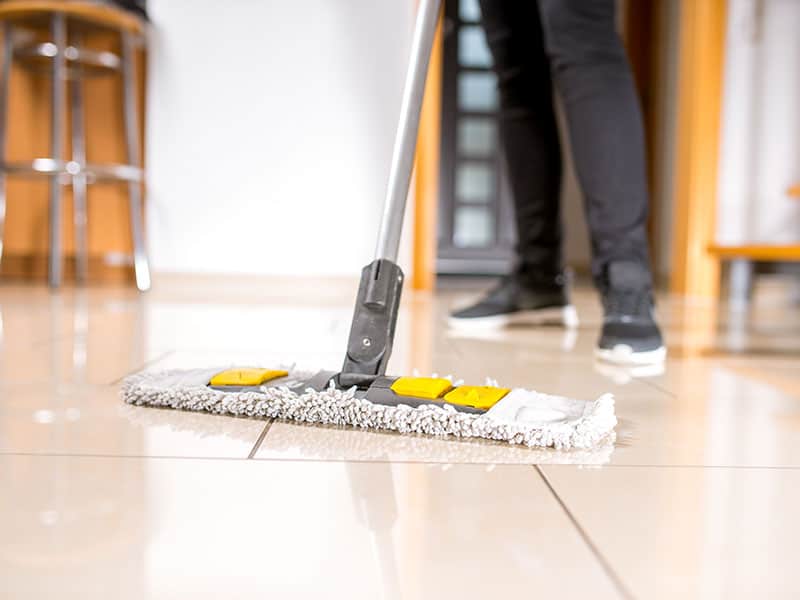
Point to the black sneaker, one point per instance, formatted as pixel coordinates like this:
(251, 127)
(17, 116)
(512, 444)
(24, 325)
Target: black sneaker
(520, 299)
(630, 334)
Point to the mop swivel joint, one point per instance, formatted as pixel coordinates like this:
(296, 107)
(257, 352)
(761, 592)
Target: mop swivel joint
(372, 331)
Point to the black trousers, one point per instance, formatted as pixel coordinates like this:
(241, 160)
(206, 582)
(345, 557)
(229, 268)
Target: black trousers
(572, 46)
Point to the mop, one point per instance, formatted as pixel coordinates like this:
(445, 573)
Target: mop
(361, 395)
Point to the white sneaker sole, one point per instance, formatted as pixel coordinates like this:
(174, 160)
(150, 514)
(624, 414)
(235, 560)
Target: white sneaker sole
(622, 354)
(565, 316)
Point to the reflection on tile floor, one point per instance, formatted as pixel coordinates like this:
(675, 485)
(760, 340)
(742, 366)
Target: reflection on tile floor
(102, 499)
(691, 533)
(306, 442)
(86, 420)
(88, 527)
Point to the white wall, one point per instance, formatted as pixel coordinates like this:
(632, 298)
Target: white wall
(760, 149)
(270, 127)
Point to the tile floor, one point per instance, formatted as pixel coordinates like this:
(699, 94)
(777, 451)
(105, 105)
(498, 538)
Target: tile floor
(697, 499)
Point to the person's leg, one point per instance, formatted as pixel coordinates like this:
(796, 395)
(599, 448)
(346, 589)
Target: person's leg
(596, 86)
(595, 82)
(536, 292)
(528, 130)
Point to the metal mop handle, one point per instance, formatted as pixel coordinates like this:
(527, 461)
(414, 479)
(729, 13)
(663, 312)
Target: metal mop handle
(378, 300)
(405, 141)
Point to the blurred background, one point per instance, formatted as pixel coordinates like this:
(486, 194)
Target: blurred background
(266, 130)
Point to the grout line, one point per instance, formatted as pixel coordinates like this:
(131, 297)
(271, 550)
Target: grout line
(143, 366)
(673, 466)
(370, 461)
(655, 386)
(260, 439)
(119, 456)
(604, 564)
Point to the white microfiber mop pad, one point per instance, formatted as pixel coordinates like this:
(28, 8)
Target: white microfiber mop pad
(522, 417)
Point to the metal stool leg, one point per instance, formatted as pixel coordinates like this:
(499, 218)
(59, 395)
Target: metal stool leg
(740, 283)
(79, 212)
(5, 76)
(58, 28)
(140, 264)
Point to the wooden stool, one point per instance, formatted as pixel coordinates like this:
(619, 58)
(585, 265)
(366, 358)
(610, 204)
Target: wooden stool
(67, 60)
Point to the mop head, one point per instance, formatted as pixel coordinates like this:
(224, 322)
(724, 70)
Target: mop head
(522, 417)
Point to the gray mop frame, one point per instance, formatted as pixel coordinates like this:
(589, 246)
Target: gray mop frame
(377, 304)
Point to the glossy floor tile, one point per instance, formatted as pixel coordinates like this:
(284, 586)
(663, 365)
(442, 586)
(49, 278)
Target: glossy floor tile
(84, 527)
(709, 533)
(71, 340)
(695, 499)
(291, 441)
(44, 419)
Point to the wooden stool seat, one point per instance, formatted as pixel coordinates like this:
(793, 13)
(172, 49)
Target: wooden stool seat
(758, 252)
(105, 15)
